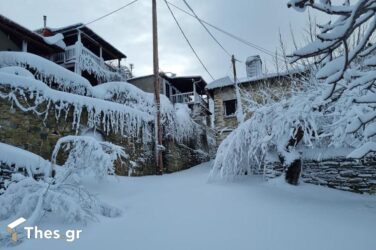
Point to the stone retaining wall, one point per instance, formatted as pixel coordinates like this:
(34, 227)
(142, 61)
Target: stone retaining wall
(28, 131)
(345, 174)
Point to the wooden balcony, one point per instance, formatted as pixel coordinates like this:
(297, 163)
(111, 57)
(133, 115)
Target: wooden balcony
(192, 99)
(72, 53)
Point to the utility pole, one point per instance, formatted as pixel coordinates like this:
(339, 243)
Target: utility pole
(239, 110)
(158, 128)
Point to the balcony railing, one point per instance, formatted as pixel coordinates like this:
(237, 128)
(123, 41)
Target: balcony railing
(189, 98)
(183, 98)
(71, 53)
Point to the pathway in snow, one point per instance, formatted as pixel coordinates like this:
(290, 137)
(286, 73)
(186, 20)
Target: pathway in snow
(182, 211)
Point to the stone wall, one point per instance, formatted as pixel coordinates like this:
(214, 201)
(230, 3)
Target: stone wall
(341, 173)
(31, 132)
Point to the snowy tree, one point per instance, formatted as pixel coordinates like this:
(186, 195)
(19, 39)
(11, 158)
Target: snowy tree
(333, 109)
(348, 71)
(273, 131)
(60, 193)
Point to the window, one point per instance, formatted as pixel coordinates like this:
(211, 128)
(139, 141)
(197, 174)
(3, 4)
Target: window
(229, 107)
(167, 87)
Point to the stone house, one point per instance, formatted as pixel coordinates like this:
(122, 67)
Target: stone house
(222, 92)
(188, 90)
(75, 47)
(78, 49)
(87, 54)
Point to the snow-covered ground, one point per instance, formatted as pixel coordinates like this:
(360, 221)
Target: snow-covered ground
(183, 211)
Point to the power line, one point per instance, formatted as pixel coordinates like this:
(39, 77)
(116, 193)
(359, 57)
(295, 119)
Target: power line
(206, 28)
(110, 13)
(266, 51)
(186, 38)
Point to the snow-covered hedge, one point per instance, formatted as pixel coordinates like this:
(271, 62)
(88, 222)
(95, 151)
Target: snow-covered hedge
(117, 106)
(47, 71)
(109, 116)
(32, 163)
(176, 119)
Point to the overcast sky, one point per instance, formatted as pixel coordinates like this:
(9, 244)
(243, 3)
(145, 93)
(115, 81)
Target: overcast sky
(257, 21)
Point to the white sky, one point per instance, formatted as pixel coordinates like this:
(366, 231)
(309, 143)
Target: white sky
(257, 21)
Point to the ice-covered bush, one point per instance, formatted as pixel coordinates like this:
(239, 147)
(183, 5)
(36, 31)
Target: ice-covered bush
(60, 193)
(87, 156)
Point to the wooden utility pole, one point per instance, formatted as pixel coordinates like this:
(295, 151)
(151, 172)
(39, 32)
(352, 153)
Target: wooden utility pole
(234, 67)
(239, 110)
(158, 128)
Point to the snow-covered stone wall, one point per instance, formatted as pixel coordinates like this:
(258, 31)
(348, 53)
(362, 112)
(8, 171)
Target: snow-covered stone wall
(340, 173)
(39, 135)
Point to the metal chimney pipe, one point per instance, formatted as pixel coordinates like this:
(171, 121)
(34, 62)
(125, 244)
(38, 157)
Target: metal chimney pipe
(44, 21)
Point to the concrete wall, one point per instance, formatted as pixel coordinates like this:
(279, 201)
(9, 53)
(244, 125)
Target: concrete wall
(147, 83)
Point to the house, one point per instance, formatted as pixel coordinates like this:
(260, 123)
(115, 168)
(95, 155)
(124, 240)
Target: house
(14, 37)
(222, 91)
(189, 90)
(88, 54)
(75, 47)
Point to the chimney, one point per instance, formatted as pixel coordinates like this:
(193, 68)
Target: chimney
(254, 66)
(44, 21)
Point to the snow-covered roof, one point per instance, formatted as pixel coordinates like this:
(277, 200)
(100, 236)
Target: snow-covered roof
(109, 51)
(17, 30)
(220, 83)
(182, 83)
(227, 81)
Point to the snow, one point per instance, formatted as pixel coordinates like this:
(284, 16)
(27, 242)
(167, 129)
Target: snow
(182, 211)
(368, 147)
(33, 163)
(220, 83)
(114, 106)
(109, 116)
(47, 71)
(90, 62)
(176, 119)
(185, 126)
(15, 70)
(227, 81)
(57, 39)
(88, 156)
(61, 194)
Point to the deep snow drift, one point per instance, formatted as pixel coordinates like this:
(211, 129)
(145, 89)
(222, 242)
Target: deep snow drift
(182, 211)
